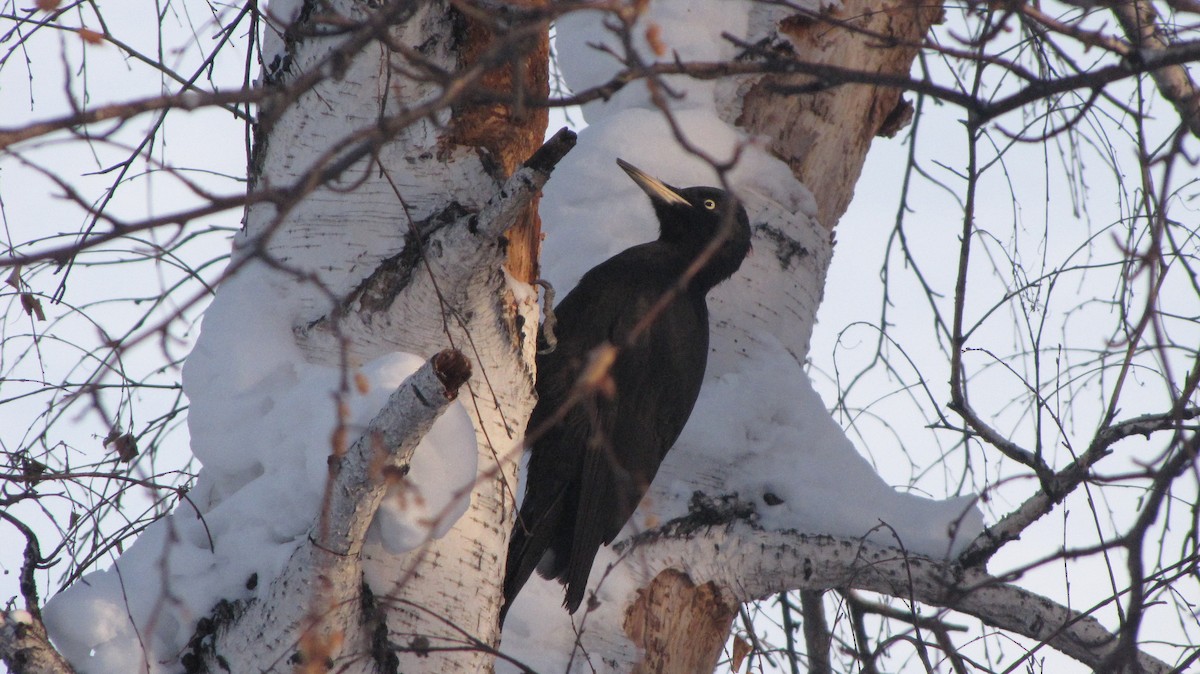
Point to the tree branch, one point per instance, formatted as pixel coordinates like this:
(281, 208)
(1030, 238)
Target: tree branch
(751, 563)
(25, 648)
(310, 604)
(1064, 482)
(1139, 20)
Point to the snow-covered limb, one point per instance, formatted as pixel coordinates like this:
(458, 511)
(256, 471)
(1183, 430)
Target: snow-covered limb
(454, 244)
(25, 648)
(307, 611)
(747, 562)
(24, 645)
(361, 476)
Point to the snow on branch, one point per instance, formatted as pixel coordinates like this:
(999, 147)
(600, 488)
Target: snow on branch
(383, 453)
(305, 613)
(24, 645)
(749, 563)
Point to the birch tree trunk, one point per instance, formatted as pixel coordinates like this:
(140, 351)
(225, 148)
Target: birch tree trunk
(350, 240)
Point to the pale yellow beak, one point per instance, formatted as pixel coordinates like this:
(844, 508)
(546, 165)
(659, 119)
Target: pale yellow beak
(655, 188)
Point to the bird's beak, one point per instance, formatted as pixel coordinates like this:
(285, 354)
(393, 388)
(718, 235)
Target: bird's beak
(655, 188)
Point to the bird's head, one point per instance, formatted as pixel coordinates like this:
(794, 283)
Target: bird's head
(691, 217)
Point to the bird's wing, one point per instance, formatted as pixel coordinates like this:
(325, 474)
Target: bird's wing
(546, 521)
(589, 470)
(656, 380)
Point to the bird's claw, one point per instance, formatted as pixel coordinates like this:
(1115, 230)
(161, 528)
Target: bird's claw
(550, 322)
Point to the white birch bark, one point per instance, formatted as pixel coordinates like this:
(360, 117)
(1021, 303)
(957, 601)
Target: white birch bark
(315, 605)
(341, 233)
(750, 563)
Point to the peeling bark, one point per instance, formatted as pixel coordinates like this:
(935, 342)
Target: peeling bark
(508, 129)
(825, 136)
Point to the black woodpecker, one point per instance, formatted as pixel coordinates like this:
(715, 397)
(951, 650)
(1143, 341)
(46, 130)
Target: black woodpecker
(589, 470)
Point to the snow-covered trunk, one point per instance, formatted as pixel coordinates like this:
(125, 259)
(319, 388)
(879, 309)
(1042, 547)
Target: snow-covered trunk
(758, 421)
(380, 240)
(336, 241)
(385, 204)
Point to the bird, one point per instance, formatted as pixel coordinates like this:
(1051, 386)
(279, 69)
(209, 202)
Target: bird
(590, 467)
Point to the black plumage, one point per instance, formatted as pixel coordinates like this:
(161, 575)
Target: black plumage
(589, 470)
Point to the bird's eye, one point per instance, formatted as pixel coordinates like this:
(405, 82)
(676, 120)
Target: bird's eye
(710, 204)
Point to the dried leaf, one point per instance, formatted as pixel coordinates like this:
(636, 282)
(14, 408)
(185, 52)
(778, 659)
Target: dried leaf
(596, 373)
(90, 36)
(33, 469)
(14, 279)
(337, 440)
(654, 38)
(316, 650)
(32, 306)
(362, 383)
(741, 648)
(124, 444)
(48, 5)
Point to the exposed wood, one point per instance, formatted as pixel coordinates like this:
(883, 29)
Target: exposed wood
(509, 130)
(679, 626)
(825, 136)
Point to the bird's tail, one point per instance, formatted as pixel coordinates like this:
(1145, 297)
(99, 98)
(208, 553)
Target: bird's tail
(591, 524)
(532, 536)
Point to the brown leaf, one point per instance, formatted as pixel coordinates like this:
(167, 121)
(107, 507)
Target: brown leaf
(337, 440)
(90, 36)
(362, 383)
(32, 306)
(595, 373)
(124, 444)
(654, 38)
(33, 469)
(48, 5)
(741, 648)
(14, 279)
